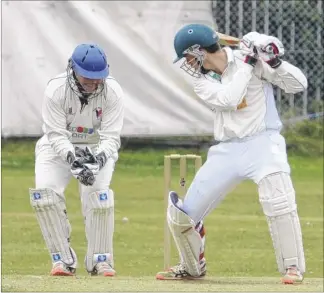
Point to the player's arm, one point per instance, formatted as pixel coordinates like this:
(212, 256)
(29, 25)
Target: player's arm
(111, 124)
(287, 76)
(54, 119)
(225, 97)
(229, 97)
(278, 72)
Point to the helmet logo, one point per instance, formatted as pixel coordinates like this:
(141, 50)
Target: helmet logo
(190, 31)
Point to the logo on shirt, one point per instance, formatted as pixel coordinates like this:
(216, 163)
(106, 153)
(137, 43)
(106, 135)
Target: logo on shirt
(98, 111)
(80, 131)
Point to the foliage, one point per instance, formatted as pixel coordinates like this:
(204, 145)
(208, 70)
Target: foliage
(305, 138)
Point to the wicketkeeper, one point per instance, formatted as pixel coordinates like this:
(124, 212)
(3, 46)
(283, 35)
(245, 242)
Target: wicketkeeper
(237, 86)
(82, 120)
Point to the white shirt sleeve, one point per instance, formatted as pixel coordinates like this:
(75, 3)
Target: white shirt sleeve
(287, 76)
(112, 121)
(54, 119)
(225, 96)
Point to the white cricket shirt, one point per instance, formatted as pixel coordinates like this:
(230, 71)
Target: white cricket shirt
(242, 97)
(65, 124)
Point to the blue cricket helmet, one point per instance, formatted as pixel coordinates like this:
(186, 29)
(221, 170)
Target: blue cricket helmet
(90, 61)
(193, 34)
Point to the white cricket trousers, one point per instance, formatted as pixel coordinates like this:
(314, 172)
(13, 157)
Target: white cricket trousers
(52, 172)
(229, 163)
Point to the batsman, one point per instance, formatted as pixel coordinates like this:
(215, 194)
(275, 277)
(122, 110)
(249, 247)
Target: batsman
(82, 116)
(237, 86)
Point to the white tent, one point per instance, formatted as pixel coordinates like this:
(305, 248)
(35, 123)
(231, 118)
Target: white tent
(39, 36)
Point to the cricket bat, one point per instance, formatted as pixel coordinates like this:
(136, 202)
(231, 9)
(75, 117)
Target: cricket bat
(226, 40)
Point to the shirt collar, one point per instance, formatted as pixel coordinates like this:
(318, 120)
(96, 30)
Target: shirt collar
(230, 59)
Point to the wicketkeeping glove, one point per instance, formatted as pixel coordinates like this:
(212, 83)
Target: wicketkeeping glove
(94, 162)
(270, 49)
(79, 170)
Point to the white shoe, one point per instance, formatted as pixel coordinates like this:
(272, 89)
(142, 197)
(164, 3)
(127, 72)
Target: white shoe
(61, 269)
(103, 269)
(292, 276)
(178, 272)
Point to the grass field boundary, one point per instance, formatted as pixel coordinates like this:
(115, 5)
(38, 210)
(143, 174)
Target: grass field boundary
(31, 283)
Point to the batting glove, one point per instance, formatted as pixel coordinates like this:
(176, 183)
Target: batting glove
(270, 49)
(247, 48)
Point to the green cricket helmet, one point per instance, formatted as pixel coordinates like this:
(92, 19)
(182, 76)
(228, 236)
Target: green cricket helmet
(188, 40)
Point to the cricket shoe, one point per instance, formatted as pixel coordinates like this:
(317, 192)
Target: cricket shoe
(61, 269)
(292, 276)
(178, 272)
(103, 269)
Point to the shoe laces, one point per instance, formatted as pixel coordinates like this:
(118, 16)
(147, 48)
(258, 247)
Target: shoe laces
(179, 269)
(293, 270)
(63, 266)
(58, 264)
(103, 266)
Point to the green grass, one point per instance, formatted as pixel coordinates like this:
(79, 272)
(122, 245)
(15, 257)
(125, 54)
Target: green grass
(148, 284)
(239, 249)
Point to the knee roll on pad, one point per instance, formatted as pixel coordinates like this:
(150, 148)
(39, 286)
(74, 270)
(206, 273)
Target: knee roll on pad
(277, 197)
(187, 239)
(51, 214)
(99, 221)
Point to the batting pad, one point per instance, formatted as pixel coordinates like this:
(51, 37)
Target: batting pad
(99, 221)
(277, 197)
(187, 239)
(52, 218)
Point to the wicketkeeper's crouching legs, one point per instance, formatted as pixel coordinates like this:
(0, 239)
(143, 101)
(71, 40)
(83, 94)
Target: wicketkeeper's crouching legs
(51, 214)
(52, 175)
(277, 197)
(98, 211)
(99, 226)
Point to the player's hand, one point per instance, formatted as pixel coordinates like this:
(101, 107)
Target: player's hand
(83, 174)
(270, 49)
(91, 161)
(86, 158)
(246, 44)
(79, 152)
(95, 162)
(248, 49)
(79, 170)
